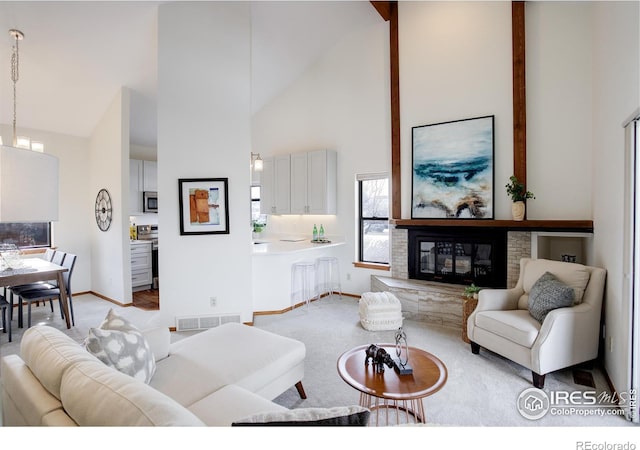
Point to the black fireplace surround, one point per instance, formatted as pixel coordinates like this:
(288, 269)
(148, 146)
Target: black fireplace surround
(458, 255)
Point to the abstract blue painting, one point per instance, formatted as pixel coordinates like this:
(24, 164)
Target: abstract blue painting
(453, 170)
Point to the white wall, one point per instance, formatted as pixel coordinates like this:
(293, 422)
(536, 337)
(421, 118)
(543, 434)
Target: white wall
(616, 94)
(75, 208)
(109, 168)
(559, 102)
(455, 63)
(204, 132)
(340, 103)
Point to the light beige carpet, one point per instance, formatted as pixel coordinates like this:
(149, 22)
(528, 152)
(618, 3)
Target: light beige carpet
(481, 390)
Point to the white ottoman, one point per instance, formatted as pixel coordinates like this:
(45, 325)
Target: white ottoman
(380, 311)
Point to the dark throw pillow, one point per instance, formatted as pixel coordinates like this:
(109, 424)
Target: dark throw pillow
(308, 417)
(547, 294)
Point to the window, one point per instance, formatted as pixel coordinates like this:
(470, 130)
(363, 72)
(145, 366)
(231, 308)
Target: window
(26, 234)
(373, 219)
(255, 202)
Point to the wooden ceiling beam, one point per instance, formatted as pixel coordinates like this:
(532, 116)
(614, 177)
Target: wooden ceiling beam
(384, 9)
(519, 92)
(389, 12)
(394, 57)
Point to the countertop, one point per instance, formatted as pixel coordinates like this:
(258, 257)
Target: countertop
(277, 246)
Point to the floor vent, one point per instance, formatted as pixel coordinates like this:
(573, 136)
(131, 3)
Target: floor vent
(189, 323)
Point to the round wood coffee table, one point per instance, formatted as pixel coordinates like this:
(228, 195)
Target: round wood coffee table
(389, 390)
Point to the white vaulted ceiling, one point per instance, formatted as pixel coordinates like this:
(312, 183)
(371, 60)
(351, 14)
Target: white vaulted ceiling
(76, 55)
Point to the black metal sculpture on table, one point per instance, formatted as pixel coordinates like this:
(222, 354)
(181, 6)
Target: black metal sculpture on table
(379, 357)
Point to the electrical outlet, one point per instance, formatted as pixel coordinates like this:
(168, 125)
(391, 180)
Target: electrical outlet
(610, 344)
(213, 302)
(348, 276)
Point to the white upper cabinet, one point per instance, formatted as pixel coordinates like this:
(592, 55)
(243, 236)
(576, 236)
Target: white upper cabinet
(300, 183)
(143, 176)
(135, 186)
(299, 202)
(266, 186)
(314, 182)
(150, 175)
(275, 185)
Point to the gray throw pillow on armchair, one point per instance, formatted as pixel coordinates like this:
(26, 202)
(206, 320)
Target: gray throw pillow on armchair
(547, 294)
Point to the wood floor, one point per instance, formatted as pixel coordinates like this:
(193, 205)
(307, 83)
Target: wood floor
(147, 299)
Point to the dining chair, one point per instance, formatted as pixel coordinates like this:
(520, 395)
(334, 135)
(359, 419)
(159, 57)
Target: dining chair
(6, 320)
(36, 295)
(58, 257)
(54, 256)
(48, 254)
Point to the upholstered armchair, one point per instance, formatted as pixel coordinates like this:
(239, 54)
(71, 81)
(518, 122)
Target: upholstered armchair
(566, 336)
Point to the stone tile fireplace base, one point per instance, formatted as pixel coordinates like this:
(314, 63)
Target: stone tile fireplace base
(428, 301)
(433, 302)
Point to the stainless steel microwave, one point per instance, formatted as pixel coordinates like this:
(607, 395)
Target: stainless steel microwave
(150, 201)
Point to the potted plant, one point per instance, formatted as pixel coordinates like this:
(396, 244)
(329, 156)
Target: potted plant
(519, 194)
(472, 291)
(258, 227)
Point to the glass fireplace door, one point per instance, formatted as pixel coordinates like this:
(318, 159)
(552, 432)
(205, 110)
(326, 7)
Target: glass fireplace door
(455, 262)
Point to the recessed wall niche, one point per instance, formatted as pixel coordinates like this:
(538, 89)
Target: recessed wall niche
(553, 245)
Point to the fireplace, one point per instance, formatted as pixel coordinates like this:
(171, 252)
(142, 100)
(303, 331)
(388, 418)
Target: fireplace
(458, 255)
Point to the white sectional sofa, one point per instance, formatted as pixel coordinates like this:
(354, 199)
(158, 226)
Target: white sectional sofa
(212, 378)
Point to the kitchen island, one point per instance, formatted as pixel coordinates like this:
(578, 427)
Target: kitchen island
(271, 266)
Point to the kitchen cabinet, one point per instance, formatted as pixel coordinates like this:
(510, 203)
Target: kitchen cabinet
(135, 186)
(314, 182)
(150, 175)
(275, 192)
(143, 176)
(141, 267)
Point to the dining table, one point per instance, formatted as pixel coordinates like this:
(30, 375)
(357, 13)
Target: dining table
(33, 270)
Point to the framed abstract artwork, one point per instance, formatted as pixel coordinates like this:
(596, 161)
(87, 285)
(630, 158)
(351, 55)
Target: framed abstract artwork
(453, 170)
(204, 206)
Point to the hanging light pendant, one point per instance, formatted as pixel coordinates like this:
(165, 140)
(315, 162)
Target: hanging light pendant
(17, 35)
(32, 198)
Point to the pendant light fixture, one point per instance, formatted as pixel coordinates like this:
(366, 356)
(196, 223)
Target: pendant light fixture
(17, 35)
(19, 141)
(28, 179)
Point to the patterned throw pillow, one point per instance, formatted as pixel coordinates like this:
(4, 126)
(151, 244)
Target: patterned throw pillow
(547, 294)
(306, 417)
(120, 345)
